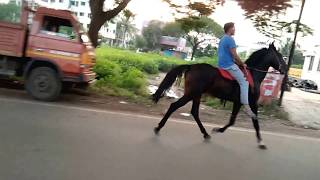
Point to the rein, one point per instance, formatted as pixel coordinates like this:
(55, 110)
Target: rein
(262, 71)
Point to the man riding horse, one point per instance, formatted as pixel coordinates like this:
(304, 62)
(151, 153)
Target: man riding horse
(205, 79)
(229, 60)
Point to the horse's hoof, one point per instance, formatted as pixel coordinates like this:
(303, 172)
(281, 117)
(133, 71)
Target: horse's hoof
(262, 146)
(206, 136)
(156, 131)
(216, 130)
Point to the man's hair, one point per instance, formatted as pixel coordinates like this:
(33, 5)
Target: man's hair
(228, 26)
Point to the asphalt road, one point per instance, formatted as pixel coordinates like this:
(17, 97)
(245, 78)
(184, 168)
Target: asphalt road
(50, 141)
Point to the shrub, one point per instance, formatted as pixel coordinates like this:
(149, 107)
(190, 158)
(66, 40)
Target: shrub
(107, 70)
(133, 80)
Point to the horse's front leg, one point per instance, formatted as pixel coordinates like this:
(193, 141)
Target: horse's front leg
(235, 111)
(195, 114)
(256, 126)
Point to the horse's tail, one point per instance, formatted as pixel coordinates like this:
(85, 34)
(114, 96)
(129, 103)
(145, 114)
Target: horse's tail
(169, 80)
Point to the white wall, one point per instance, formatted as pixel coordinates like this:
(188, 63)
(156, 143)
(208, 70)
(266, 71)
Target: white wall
(314, 73)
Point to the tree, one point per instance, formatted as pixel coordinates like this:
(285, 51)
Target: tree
(263, 13)
(152, 33)
(125, 27)
(298, 58)
(100, 15)
(173, 29)
(199, 30)
(191, 8)
(208, 51)
(9, 12)
(140, 42)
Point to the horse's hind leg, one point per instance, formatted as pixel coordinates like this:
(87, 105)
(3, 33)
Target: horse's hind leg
(195, 114)
(235, 111)
(173, 107)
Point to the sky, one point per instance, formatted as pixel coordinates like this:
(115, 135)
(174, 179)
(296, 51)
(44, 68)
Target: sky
(246, 34)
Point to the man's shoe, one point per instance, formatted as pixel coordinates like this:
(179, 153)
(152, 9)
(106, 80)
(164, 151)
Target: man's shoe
(247, 110)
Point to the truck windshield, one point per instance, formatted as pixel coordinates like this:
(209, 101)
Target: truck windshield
(58, 27)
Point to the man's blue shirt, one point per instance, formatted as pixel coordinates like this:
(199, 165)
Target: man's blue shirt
(225, 58)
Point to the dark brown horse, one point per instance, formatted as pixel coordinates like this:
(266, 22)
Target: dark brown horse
(206, 79)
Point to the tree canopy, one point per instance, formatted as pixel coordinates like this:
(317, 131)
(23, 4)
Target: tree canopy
(9, 12)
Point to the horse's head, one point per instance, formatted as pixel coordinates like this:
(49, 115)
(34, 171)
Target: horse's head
(275, 59)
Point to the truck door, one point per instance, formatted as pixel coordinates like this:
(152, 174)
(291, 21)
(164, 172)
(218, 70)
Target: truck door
(57, 41)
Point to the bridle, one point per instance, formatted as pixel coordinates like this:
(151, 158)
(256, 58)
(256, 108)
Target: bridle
(263, 71)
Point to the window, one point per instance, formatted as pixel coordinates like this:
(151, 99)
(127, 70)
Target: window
(81, 14)
(61, 1)
(83, 3)
(107, 30)
(114, 31)
(57, 27)
(311, 63)
(53, 1)
(89, 15)
(318, 69)
(76, 13)
(88, 26)
(74, 3)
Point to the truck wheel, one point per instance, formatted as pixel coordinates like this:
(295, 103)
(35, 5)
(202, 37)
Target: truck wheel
(43, 84)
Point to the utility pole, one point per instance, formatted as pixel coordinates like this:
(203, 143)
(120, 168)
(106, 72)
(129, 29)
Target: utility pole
(284, 82)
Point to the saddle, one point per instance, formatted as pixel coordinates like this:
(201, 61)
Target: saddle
(226, 75)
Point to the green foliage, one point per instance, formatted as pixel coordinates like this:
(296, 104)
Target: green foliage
(208, 60)
(204, 25)
(152, 34)
(298, 66)
(140, 42)
(134, 81)
(123, 72)
(107, 70)
(146, 62)
(9, 12)
(208, 51)
(298, 58)
(198, 29)
(173, 29)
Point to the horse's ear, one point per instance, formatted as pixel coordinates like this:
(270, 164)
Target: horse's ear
(272, 45)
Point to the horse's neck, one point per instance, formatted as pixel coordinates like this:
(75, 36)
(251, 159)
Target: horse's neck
(258, 74)
(258, 77)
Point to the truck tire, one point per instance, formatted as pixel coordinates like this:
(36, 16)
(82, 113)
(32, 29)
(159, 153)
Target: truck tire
(43, 84)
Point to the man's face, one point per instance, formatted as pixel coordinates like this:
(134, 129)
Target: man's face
(232, 30)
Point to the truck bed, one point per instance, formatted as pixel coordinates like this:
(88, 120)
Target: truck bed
(12, 39)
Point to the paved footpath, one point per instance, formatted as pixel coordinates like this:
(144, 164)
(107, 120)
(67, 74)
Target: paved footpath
(303, 108)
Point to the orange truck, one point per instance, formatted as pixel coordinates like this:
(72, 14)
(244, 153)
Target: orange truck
(50, 51)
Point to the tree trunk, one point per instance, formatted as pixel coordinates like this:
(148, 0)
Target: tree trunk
(94, 28)
(194, 49)
(99, 17)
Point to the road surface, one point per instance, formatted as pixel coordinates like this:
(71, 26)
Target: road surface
(51, 141)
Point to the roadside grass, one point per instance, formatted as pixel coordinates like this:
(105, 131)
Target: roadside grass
(124, 72)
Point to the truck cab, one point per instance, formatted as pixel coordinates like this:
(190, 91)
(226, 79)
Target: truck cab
(50, 53)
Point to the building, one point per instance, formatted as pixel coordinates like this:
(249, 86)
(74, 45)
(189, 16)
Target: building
(81, 10)
(311, 66)
(172, 46)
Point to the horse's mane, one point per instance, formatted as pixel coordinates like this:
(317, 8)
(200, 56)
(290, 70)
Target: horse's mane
(257, 55)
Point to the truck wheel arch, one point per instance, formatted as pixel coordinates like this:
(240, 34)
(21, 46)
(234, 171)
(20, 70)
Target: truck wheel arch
(41, 63)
